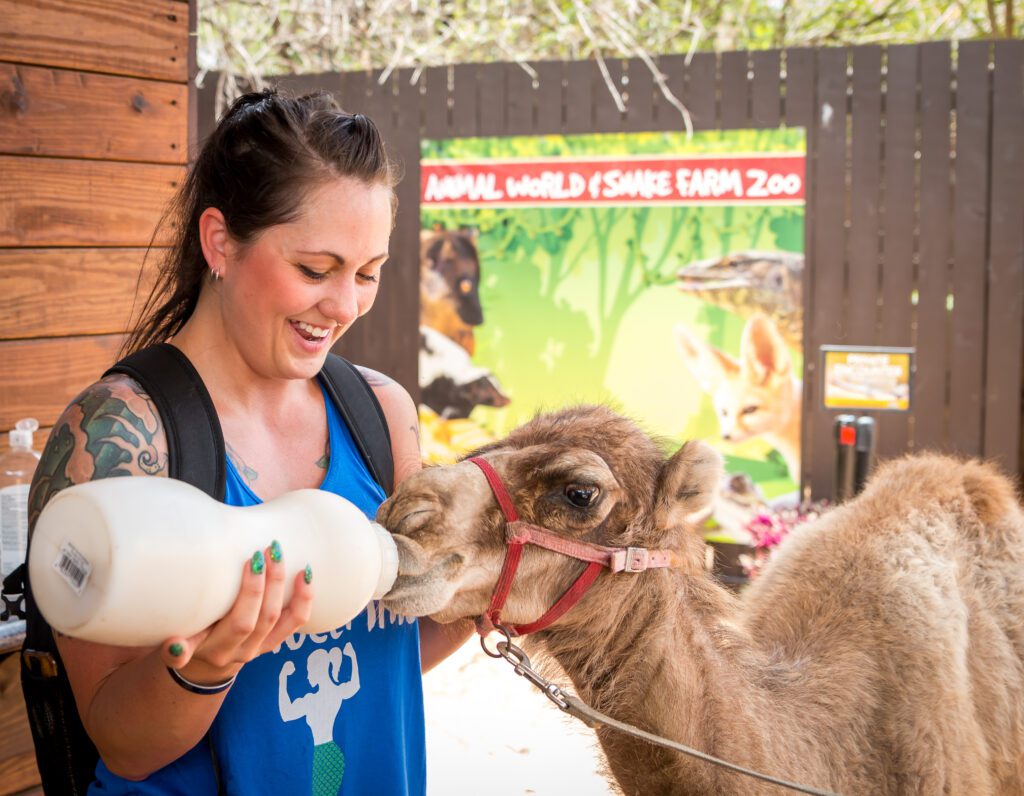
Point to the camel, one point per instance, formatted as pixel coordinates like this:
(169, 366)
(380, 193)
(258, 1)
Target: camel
(881, 652)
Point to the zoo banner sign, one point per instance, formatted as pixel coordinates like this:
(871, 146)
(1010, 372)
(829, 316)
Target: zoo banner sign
(660, 273)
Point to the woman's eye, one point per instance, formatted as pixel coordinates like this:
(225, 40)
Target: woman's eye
(368, 277)
(309, 273)
(582, 496)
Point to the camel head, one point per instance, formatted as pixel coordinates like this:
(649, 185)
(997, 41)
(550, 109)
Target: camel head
(584, 473)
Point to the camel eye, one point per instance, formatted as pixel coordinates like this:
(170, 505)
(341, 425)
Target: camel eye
(582, 495)
(749, 410)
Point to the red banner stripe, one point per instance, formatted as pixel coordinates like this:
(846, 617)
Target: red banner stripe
(755, 179)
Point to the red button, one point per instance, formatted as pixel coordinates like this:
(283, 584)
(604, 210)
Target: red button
(847, 435)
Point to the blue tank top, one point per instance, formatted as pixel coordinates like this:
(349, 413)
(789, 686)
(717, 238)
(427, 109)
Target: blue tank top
(333, 713)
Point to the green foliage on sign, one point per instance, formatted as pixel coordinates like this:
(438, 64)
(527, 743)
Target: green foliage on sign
(580, 302)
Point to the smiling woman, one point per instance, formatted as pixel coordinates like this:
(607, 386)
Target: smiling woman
(282, 230)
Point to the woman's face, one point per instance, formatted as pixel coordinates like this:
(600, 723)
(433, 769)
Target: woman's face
(289, 295)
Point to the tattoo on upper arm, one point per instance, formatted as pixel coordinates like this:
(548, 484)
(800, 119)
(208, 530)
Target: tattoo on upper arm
(249, 475)
(107, 431)
(415, 429)
(375, 378)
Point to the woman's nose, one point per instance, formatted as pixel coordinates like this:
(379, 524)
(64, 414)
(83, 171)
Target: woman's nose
(341, 305)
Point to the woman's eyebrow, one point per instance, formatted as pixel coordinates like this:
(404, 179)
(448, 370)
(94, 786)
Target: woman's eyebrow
(338, 258)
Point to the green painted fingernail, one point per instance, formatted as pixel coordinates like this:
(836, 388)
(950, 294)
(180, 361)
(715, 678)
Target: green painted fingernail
(257, 564)
(176, 649)
(275, 551)
(308, 574)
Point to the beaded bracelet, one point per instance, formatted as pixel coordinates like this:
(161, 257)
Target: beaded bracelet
(196, 688)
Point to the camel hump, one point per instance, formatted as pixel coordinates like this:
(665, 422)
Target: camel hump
(937, 479)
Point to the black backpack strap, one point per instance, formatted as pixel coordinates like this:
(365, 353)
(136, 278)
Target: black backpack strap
(65, 754)
(195, 442)
(364, 416)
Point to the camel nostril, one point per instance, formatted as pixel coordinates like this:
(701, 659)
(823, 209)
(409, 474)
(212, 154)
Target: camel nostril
(412, 559)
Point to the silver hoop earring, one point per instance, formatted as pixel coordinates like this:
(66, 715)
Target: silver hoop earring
(215, 275)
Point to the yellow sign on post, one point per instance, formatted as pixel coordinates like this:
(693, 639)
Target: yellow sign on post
(873, 378)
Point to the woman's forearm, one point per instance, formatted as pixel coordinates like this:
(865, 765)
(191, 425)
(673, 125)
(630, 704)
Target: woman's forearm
(139, 718)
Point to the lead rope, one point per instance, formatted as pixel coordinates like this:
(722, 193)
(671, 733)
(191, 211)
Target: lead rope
(579, 709)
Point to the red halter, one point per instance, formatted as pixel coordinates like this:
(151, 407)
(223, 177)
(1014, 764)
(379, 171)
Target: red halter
(519, 534)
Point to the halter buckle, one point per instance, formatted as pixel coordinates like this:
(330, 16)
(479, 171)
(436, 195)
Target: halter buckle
(636, 559)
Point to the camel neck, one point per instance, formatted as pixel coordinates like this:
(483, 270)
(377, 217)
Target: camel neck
(674, 661)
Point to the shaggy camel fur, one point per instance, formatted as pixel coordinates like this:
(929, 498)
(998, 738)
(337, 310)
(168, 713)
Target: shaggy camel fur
(881, 653)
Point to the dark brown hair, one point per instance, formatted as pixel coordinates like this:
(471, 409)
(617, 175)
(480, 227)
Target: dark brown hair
(257, 167)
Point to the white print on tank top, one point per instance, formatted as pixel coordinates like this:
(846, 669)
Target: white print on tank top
(377, 617)
(320, 707)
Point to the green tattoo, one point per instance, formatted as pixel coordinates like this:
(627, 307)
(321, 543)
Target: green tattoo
(248, 474)
(110, 430)
(324, 461)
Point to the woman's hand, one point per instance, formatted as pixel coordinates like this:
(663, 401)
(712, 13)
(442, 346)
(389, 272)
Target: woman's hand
(258, 622)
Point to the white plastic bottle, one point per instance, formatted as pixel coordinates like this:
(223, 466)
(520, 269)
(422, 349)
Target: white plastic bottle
(135, 561)
(16, 469)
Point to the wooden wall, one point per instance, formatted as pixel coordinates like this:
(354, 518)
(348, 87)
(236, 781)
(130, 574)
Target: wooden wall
(94, 135)
(93, 141)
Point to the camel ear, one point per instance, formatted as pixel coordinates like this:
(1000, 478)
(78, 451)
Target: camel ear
(687, 484)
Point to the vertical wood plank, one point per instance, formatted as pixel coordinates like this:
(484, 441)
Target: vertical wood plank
(402, 342)
(934, 248)
(380, 102)
(766, 93)
(578, 97)
(863, 254)
(549, 100)
(206, 113)
(798, 110)
(898, 195)
(799, 99)
(520, 114)
(435, 111)
(386, 339)
(640, 93)
(491, 99)
(734, 109)
(607, 116)
(1006, 255)
(701, 87)
(464, 100)
(823, 276)
(667, 115)
(351, 91)
(967, 320)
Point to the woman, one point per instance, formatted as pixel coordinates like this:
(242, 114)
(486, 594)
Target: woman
(282, 236)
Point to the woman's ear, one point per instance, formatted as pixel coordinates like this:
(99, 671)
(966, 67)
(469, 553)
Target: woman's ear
(215, 240)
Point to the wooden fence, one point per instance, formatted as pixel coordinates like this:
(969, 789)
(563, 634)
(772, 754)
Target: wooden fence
(915, 208)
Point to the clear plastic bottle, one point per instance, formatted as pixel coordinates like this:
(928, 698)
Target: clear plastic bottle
(16, 469)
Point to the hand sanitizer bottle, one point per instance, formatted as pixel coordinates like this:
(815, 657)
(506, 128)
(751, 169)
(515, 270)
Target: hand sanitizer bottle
(16, 469)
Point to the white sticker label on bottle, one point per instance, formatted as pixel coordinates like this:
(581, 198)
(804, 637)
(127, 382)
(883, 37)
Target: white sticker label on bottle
(13, 527)
(73, 567)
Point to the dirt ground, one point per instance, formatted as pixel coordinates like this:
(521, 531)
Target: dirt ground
(489, 730)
